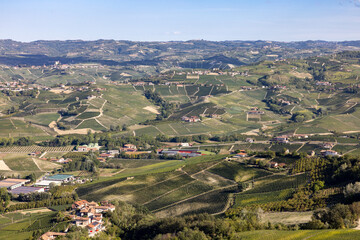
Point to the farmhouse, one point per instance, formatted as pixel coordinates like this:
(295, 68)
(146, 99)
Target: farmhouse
(12, 183)
(184, 145)
(191, 119)
(273, 164)
(255, 112)
(281, 139)
(241, 155)
(249, 140)
(128, 148)
(62, 160)
(328, 145)
(329, 153)
(323, 83)
(87, 148)
(113, 152)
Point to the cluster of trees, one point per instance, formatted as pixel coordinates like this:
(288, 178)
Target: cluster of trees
(338, 216)
(166, 107)
(117, 128)
(301, 116)
(27, 93)
(4, 198)
(103, 139)
(22, 141)
(32, 197)
(135, 222)
(277, 108)
(86, 162)
(203, 138)
(11, 110)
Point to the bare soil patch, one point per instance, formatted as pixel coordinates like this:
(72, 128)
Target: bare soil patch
(151, 109)
(3, 166)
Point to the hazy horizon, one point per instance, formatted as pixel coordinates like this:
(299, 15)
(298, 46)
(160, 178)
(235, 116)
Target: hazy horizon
(158, 20)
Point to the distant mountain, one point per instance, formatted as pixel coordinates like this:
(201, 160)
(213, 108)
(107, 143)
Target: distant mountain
(172, 53)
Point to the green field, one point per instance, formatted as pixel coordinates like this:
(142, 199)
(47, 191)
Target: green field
(18, 226)
(43, 119)
(18, 128)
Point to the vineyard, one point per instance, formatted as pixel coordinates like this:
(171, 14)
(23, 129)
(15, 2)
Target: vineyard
(212, 203)
(34, 148)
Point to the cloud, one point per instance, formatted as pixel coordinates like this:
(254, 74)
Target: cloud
(355, 2)
(174, 33)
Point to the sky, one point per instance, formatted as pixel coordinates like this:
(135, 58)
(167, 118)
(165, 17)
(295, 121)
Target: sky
(165, 20)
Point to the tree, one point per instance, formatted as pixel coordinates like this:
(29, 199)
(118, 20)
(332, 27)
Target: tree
(32, 177)
(4, 197)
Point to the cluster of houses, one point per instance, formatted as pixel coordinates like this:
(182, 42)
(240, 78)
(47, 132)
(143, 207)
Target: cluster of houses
(191, 119)
(87, 215)
(276, 165)
(255, 112)
(284, 102)
(280, 139)
(15, 86)
(320, 83)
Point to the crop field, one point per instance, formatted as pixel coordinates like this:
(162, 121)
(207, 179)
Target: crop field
(192, 189)
(307, 148)
(270, 189)
(91, 123)
(43, 118)
(18, 128)
(280, 147)
(348, 234)
(278, 182)
(86, 115)
(125, 105)
(343, 149)
(246, 199)
(212, 179)
(20, 225)
(212, 202)
(35, 148)
(237, 171)
(157, 185)
(19, 162)
(134, 163)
